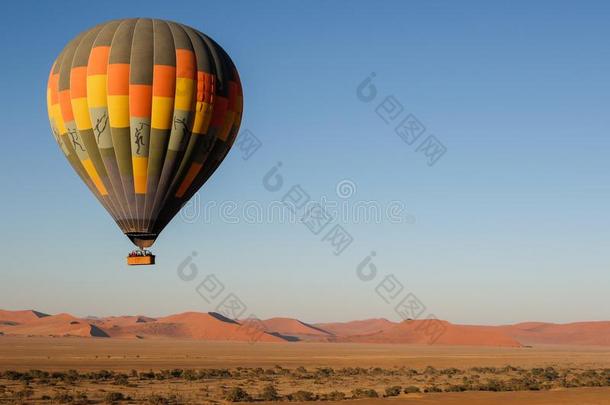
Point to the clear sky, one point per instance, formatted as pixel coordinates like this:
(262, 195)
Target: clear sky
(510, 224)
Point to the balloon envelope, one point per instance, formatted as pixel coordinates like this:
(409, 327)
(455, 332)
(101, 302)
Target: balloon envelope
(145, 110)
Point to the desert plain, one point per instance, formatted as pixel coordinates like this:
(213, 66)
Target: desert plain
(205, 359)
(163, 371)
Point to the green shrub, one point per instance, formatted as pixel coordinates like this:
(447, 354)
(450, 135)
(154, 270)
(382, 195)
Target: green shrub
(364, 393)
(176, 373)
(150, 375)
(121, 379)
(237, 394)
(269, 393)
(412, 389)
(102, 375)
(63, 398)
(393, 391)
(334, 396)
(550, 374)
(324, 372)
(156, 399)
(112, 397)
(24, 393)
(430, 371)
(302, 396)
(450, 371)
(38, 374)
(533, 386)
(455, 388)
(12, 375)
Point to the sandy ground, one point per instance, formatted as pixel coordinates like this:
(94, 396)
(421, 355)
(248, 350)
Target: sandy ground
(86, 354)
(579, 396)
(116, 354)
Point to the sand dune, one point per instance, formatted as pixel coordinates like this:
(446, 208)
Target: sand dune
(210, 326)
(293, 329)
(123, 320)
(19, 317)
(363, 327)
(188, 325)
(121, 326)
(55, 325)
(418, 332)
(578, 333)
(215, 327)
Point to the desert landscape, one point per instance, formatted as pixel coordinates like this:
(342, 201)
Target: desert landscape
(194, 358)
(332, 202)
(213, 326)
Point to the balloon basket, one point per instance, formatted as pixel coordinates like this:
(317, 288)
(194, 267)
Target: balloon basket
(141, 260)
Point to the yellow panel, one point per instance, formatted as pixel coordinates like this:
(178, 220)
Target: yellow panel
(80, 108)
(162, 112)
(118, 111)
(59, 121)
(140, 167)
(203, 115)
(50, 110)
(198, 121)
(96, 91)
(88, 165)
(184, 94)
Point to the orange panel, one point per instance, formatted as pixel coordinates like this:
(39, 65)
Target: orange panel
(53, 81)
(98, 60)
(66, 105)
(140, 100)
(118, 79)
(185, 63)
(78, 82)
(210, 88)
(164, 81)
(200, 85)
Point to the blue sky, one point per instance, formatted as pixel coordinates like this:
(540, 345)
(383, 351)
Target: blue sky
(511, 223)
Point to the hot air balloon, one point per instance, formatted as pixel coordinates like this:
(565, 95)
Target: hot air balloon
(145, 110)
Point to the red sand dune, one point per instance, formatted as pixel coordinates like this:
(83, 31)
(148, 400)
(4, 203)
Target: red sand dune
(188, 325)
(206, 326)
(19, 317)
(112, 321)
(363, 327)
(578, 333)
(293, 328)
(445, 333)
(55, 325)
(122, 326)
(213, 326)
(127, 320)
